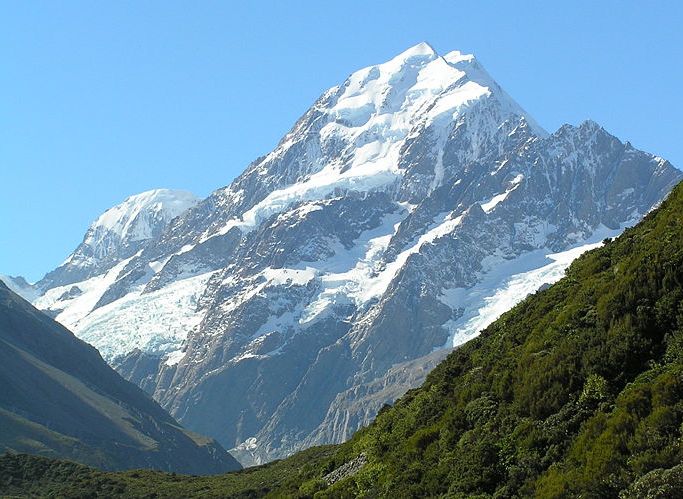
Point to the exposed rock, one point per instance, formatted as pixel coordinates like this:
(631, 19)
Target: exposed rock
(346, 470)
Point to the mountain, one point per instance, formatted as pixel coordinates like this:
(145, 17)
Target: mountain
(60, 399)
(406, 209)
(119, 233)
(575, 392)
(20, 286)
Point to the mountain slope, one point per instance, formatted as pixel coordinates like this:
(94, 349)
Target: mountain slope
(575, 392)
(404, 211)
(60, 399)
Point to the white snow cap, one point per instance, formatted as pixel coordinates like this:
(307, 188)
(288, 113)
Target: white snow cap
(122, 218)
(135, 219)
(372, 115)
(421, 49)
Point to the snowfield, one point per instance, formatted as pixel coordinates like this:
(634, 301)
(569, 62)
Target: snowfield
(157, 322)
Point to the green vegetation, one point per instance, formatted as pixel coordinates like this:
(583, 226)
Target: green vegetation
(24, 475)
(577, 391)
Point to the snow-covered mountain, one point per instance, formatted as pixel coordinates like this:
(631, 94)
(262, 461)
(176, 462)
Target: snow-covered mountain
(406, 209)
(119, 233)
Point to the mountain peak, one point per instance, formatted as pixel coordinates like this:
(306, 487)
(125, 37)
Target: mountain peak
(121, 218)
(374, 115)
(120, 232)
(590, 125)
(420, 49)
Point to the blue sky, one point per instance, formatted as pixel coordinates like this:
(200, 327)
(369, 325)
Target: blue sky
(100, 100)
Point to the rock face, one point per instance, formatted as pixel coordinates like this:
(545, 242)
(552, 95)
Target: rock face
(60, 399)
(407, 209)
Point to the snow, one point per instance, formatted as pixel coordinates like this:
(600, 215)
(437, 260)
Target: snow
(422, 48)
(73, 309)
(495, 200)
(157, 265)
(449, 104)
(259, 285)
(495, 293)
(138, 218)
(355, 276)
(249, 444)
(124, 219)
(288, 277)
(308, 208)
(455, 56)
(135, 219)
(347, 276)
(174, 357)
(157, 322)
(378, 284)
(368, 122)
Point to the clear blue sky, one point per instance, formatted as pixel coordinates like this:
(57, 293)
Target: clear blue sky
(99, 100)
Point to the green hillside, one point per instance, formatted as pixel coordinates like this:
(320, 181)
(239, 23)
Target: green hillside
(577, 391)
